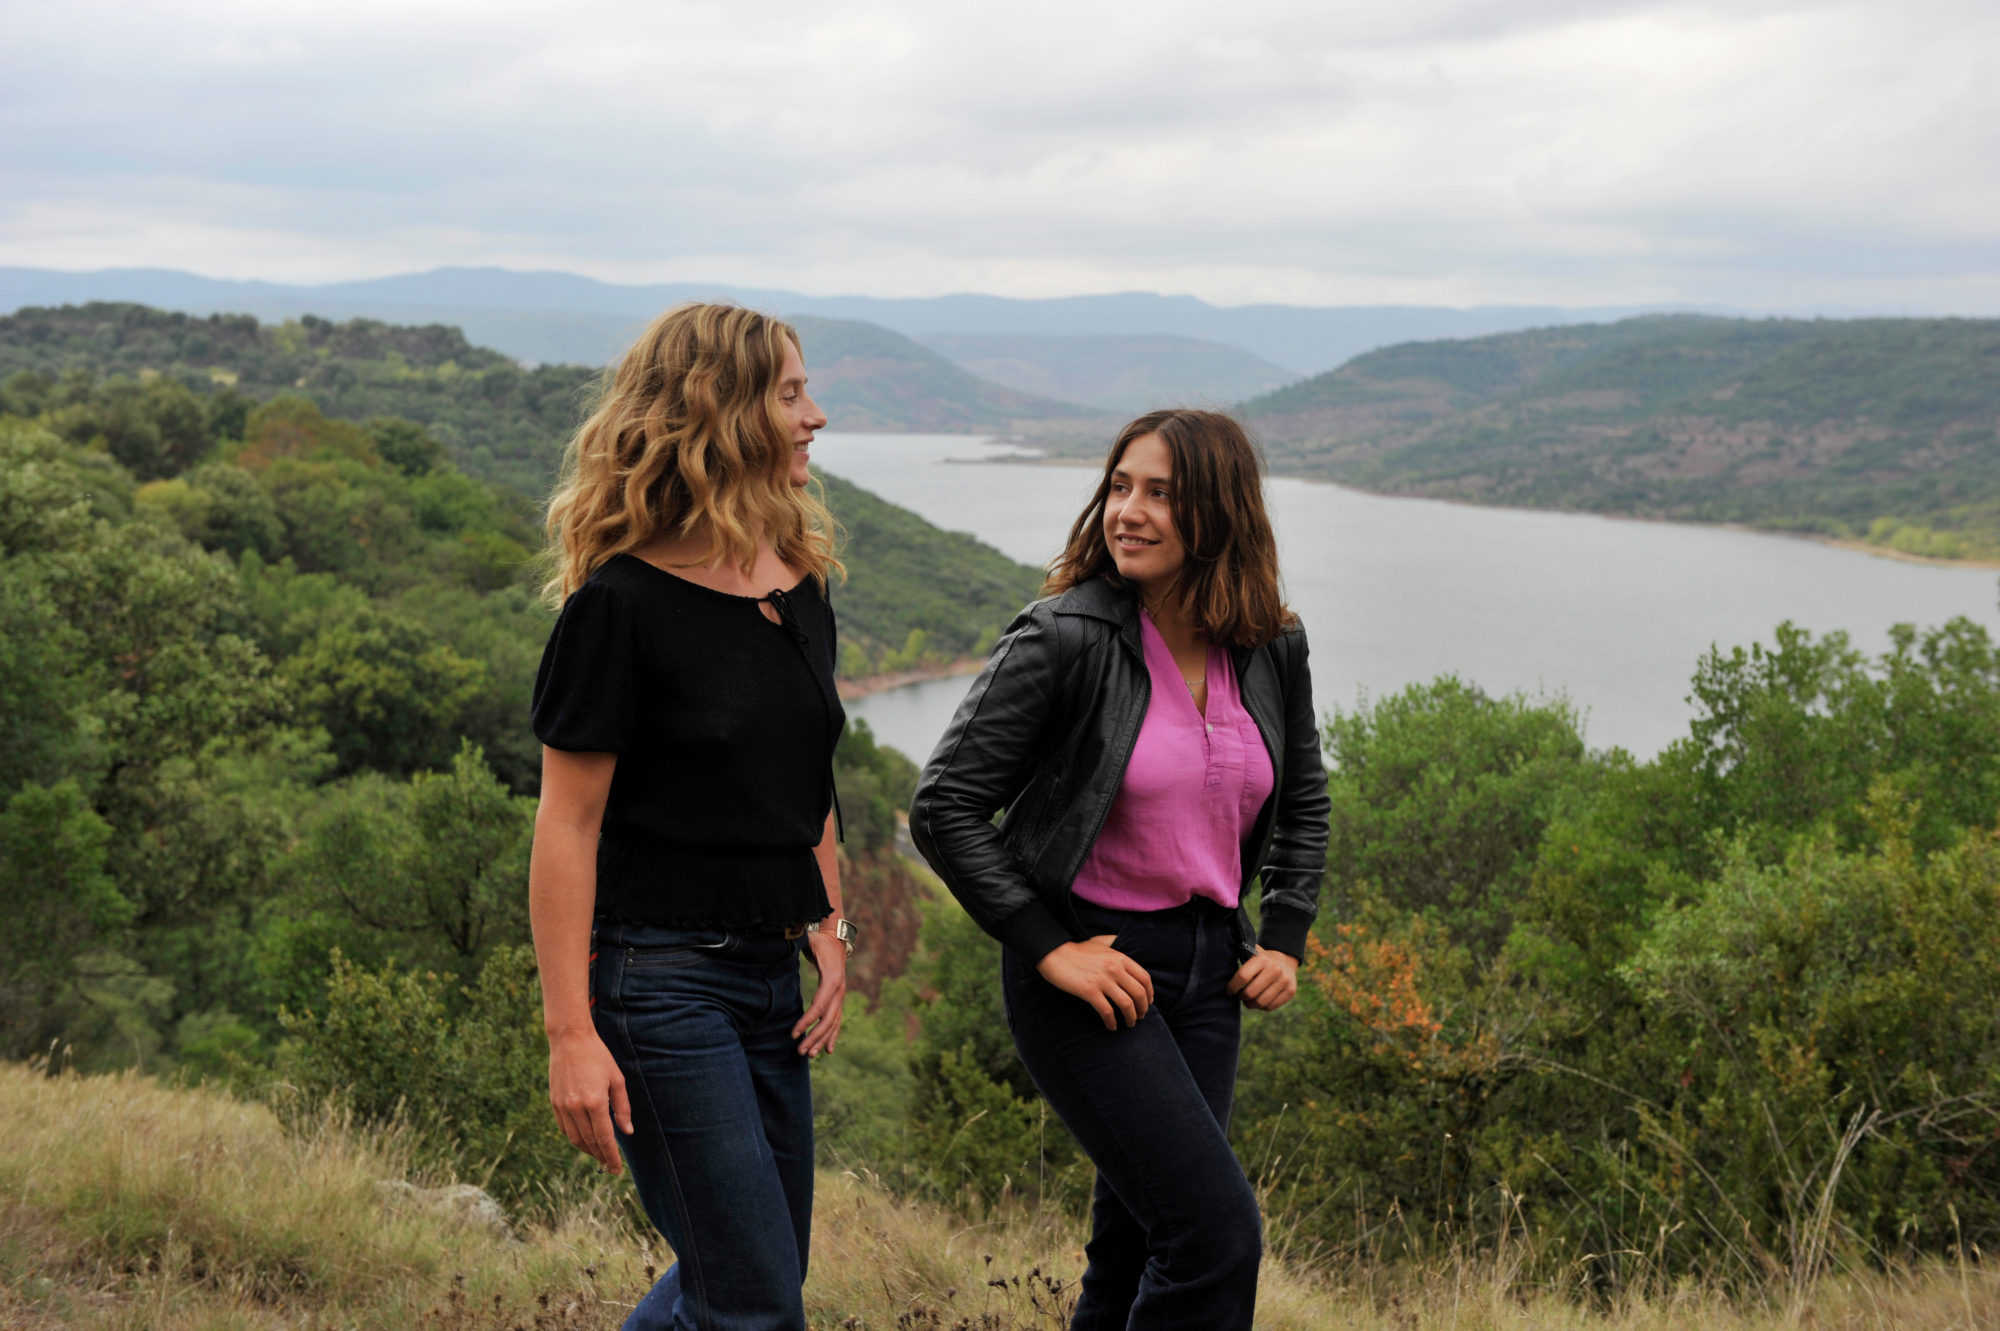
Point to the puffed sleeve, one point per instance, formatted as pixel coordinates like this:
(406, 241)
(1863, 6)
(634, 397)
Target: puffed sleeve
(584, 690)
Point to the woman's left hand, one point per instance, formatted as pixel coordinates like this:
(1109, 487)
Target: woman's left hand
(1267, 981)
(821, 1023)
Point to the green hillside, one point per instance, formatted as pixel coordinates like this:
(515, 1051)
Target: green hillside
(867, 378)
(498, 421)
(906, 577)
(1882, 429)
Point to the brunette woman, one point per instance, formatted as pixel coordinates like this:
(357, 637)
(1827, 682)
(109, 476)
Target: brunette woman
(1149, 730)
(684, 849)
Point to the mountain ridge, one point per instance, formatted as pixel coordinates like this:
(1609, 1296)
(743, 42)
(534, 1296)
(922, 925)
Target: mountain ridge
(518, 305)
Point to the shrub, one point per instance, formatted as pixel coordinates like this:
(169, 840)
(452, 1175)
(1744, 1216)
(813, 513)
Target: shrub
(471, 1086)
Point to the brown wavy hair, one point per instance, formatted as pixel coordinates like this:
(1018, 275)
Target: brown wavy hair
(1229, 585)
(685, 435)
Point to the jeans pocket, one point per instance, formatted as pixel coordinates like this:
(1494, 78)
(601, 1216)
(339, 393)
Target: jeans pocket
(1129, 927)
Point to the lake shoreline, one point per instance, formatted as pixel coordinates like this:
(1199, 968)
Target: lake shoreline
(1901, 556)
(872, 684)
(1045, 459)
(1836, 542)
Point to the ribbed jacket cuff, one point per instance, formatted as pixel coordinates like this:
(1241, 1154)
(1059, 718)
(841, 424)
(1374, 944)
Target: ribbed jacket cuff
(1284, 930)
(1032, 932)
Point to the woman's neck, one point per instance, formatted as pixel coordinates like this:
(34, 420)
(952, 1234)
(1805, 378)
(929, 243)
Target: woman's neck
(698, 557)
(1188, 648)
(695, 548)
(1170, 617)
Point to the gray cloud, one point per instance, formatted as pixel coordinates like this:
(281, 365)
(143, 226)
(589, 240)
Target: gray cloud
(1756, 154)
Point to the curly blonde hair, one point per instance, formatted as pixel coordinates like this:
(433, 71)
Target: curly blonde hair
(685, 436)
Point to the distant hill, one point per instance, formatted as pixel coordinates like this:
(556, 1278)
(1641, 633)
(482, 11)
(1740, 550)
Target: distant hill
(1126, 374)
(869, 378)
(562, 317)
(1882, 429)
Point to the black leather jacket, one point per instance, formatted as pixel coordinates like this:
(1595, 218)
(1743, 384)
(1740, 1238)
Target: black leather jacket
(1045, 733)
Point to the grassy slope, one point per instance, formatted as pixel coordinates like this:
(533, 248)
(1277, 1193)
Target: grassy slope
(1825, 426)
(126, 1205)
(868, 378)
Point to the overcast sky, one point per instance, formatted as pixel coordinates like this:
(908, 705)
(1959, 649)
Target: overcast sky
(1760, 155)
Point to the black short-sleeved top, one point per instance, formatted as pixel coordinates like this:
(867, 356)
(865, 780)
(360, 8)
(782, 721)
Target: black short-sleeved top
(724, 725)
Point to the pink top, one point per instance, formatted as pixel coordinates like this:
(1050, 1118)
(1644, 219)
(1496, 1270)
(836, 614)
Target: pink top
(1190, 797)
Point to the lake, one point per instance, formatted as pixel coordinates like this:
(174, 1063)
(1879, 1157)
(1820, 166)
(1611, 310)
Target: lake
(1612, 613)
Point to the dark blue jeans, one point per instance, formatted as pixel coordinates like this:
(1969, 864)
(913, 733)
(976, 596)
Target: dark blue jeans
(700, 1022)
(1175, 1233)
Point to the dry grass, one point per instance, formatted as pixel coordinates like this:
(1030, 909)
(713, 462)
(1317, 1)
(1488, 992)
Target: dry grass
(126, 1205)
(907, 1265)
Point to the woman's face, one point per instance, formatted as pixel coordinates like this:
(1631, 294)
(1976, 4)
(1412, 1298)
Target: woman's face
(1139, 517)
(798, 414)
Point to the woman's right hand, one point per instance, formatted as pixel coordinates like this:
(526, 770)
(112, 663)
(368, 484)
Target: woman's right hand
(588, 1092)
(1102, 976)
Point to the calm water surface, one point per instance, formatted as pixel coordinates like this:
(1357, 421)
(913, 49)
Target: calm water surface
(1613, 614)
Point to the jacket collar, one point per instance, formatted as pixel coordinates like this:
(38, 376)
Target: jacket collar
(1098, 599)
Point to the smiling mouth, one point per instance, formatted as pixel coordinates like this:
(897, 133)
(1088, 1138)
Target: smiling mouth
(1135, 542)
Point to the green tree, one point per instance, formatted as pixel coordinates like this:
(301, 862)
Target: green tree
(1837, 997)
(221, 507)
(63, 910)
(405, 445)
(386, 690)
(430, 872)
(1440, 799)
(873, 782)
(466, 1068)
(977, 1124)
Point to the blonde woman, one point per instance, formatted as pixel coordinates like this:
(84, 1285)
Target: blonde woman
(684, 849)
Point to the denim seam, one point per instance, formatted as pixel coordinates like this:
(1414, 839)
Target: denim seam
(688, 1259)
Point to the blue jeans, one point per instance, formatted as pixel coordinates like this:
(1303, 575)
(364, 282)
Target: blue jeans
(700, 1023)
(1176, 1237)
